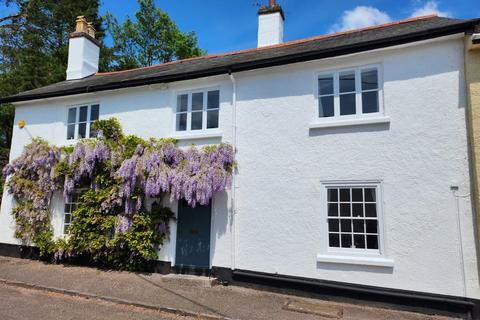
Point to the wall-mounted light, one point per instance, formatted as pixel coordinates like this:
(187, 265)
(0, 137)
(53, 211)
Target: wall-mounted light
(21, 124)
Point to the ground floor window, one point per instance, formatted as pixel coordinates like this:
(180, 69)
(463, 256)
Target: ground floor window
(70, 206)
(353, 217)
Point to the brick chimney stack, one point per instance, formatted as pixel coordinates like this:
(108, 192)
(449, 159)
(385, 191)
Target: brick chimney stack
(83, 50)
(271, 19)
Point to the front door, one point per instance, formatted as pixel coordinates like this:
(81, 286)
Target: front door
(193, 236)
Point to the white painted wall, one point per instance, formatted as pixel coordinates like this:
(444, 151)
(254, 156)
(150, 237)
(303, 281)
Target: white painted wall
(83, 58)
(270, 29)
(418, 156)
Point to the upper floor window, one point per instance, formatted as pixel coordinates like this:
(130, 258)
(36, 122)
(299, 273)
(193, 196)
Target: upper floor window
(352, 92)
(79, 121)
(197, 110)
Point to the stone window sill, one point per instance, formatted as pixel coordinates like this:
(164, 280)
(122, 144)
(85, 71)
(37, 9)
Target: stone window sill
(348, 123)
(197, 136)
(356, 260)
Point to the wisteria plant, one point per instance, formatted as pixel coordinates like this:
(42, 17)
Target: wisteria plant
(112, 224)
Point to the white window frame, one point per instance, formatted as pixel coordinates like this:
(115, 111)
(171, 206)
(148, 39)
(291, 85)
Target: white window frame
(81, 191)
(360, 256)
(359, 117)
(190, 93)
(77, 119)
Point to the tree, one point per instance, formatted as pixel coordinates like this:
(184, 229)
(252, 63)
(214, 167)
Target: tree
(151, 39)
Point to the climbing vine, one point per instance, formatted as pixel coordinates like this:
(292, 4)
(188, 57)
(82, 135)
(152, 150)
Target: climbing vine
(112, 224)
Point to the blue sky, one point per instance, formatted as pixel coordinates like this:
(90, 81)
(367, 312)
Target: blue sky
(226, 25)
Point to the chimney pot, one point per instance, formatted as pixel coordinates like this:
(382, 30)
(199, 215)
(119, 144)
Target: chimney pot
(273, 3)
(82, 25)
(91, 29)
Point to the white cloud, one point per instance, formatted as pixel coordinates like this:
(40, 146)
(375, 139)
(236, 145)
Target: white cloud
(360, 17)
(430, 7)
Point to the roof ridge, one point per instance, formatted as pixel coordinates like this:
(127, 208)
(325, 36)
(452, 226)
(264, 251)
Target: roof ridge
(292, 42)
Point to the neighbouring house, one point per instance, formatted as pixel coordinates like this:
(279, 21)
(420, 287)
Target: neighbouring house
(358, 155)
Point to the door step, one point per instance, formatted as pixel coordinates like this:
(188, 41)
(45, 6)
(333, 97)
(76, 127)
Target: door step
(194, 271)
(189, 280)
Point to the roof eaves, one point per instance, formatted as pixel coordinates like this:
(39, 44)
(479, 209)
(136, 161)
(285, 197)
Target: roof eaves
(270, 62)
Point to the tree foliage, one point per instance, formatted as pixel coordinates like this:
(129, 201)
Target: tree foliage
(34, 41)
(152, 38)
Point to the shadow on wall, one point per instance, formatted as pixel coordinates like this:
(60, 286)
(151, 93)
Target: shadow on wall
(318, 132)
(220, 218)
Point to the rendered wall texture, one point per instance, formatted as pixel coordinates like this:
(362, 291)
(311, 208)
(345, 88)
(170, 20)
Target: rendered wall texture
(281, 164)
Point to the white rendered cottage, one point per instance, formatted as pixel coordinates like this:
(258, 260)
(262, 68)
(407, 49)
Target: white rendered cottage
(354, 164)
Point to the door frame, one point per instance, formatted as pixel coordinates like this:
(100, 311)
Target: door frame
(174, 238)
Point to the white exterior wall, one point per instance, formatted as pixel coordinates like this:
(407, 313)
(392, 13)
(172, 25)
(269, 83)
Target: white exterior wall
(281, 163)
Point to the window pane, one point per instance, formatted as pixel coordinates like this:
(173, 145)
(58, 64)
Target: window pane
(213, 99)
(347, 104)
(212, 119)
(346, 225)
(94, 112)
(197, 101)
(182, 103)
(370, 210)
(345, 209)
(370, 102)
(370, 195)
(369, 79)
(326, 107)
(359, 241)
(67, 218)
(334, 240)
(333, 209)
(357, 195)
(197, 118)
(357, 210)
(371, 226)
(344, 194)
(82, 130)
(83, 114)
(67, 208)
(332, 195)
(71, 132)
(347, 81)
(358, 226)
(346, 240)
(325, 84)
(181, 122)
(372, 242)
(72, 115)
(333, 225)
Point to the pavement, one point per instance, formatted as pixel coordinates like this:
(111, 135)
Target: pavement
(35, 290)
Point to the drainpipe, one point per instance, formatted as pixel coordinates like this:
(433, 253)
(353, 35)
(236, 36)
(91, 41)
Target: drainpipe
(234, 146)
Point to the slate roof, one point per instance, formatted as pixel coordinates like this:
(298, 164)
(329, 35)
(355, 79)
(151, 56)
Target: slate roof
(337, 44)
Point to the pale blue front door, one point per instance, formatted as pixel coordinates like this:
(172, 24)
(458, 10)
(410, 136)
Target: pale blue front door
(193, 236)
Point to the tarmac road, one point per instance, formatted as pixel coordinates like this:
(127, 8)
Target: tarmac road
(24, 304)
